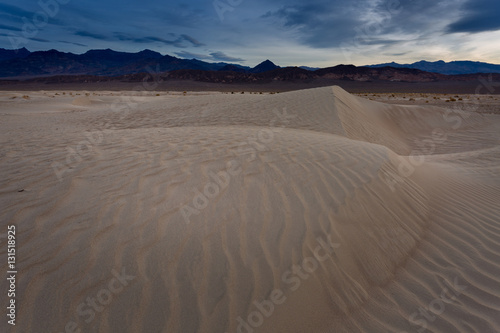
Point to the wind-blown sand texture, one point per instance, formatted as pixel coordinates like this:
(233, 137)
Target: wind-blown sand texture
(307, 211)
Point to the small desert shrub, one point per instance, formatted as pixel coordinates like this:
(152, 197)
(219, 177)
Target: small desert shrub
(412, 99)
(26, 97)
(157, 94)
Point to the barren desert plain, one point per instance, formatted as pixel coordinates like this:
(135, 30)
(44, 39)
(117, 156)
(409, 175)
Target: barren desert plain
(312, 210)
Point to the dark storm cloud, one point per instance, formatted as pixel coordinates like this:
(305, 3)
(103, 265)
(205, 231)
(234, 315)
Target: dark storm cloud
(322, 24)
(478, 16)
(414, 17)
(284, 30)
(319, 23)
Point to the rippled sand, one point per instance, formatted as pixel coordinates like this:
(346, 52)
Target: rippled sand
(307, 211)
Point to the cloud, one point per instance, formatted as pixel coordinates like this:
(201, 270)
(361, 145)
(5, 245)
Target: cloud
(329, 24)
(15, 11)
(189, 55)
(8, 27)
(396, 54)
(41, 40)
(221, 56)
(73, 43)
(182, 41)
(215, 56)
(178, 42)
(91, 35)
(477, 16)
(380, 41)
(319, 23)
(192, 40)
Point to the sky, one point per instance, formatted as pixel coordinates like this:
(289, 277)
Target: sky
(315, 33)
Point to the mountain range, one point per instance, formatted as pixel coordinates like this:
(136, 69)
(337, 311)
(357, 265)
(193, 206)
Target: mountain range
(23, 63)
(96, 64)
(449, 68)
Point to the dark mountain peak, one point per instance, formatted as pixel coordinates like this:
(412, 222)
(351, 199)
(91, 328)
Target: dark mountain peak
(13, 54)
(52, 53)
(345, 66)
(264, 66)
(267, 63)
(150, 54)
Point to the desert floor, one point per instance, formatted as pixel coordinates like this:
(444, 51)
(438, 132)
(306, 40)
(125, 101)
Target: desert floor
(304, 211)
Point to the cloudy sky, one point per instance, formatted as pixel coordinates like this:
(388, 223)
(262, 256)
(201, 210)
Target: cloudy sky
(317, 33)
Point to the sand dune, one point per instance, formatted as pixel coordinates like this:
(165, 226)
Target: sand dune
(307, 211)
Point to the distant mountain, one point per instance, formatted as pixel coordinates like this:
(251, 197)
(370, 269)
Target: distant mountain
(107, 63)
(13, 54)
(340, 72)
(287, 74)
(309, 68)
(235, 68)
(449, 68)
(23, 63)
(264, 66)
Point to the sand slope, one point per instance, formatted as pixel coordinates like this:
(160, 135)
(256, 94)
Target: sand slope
(308, 211)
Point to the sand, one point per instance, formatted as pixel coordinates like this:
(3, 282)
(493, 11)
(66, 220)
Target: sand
(307, 211)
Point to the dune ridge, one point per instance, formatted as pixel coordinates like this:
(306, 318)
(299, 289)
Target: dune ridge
(346, 215)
